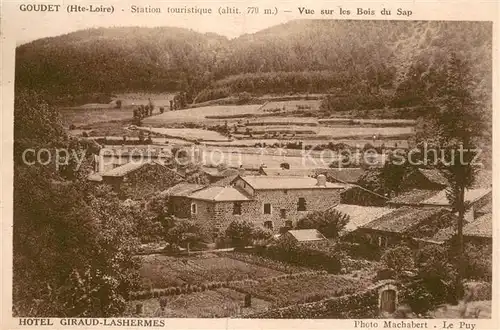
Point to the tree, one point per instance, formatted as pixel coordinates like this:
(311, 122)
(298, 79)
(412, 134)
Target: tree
(185, 232)
(398, 258)
(241, 233)
(393, 173)
(458, 126)
(73, 242)
(329, 222)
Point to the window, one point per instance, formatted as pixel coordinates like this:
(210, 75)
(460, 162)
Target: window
(283, 213)
(268, 225)
(194, 208)
(237, 208)
(301, 206)
(267, 208)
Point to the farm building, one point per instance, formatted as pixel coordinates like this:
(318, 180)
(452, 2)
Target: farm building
(405, 224)
(360, 215)
(139, 180)
(476, 199)
(272, 202)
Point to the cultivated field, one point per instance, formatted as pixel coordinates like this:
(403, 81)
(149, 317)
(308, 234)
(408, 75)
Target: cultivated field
(159, 271)
(222, 302)
(337, 132)
(190, 134)
(197, 115)
(86, 116)
(314, 287)
(286, 106)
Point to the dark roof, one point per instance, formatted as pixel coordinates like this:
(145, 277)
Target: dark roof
(349, 175)
(434, 176)
(226, 181)
(413, 197)
(402, 219)
(480, 227)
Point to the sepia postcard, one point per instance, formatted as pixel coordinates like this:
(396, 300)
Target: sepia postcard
(260, 165)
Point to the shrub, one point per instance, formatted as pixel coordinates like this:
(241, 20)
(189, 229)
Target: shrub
(329, 222)
(398, 258)
(240, 233)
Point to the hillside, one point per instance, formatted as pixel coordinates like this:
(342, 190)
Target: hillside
(108, 60)
(390, 62)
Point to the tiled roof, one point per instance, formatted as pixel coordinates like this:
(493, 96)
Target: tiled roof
(434, 175)
(444, 234)
(471, 195)
(304, 235)
(481, 227)
(124, 169)
(219, 194)
(402, 219)
(435, 198)
(225, 181)
(412, 197)
(361, 215)
(483, 179)
(287, 182)
(182, 189)
(349, 175)
(487, 208)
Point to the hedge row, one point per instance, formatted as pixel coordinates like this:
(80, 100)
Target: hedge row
(360, 305)
(177, 290)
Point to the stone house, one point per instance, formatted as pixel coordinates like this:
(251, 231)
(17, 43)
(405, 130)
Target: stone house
(274, 202)
(140, 180)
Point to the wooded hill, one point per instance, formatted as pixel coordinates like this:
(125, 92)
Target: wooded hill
(396, 63)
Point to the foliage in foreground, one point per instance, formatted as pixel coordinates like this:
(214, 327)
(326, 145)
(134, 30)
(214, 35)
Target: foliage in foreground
(73, 242)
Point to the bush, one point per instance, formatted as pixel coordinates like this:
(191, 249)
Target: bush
(398, 258)
(329, 222)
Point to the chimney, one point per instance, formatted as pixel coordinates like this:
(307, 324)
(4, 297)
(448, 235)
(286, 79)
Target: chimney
(321, 180)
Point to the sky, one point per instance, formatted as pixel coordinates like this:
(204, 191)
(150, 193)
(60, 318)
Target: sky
(29, 26)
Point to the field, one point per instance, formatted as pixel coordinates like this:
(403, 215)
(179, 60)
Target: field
(275, 284)
(189, 134)
(86, 116)
(338, 132)
(313, 287)
(287, 106)
(159, 271)
(219, 303)
(197, 115)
